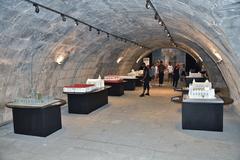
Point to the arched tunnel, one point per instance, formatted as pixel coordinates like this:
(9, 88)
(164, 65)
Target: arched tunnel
(30, 42)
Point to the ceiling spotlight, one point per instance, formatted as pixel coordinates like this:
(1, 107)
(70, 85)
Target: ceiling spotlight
(156, 16)
(66, 17)
(90, 28)
(148, 4)
(36, 8)
(63, 18)
(160, 22)
(76, 23)
(165, 29)
(173, 44)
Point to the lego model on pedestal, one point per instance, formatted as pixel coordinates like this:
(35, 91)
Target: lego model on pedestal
(85, 98)
(37, 116)
(201, 90)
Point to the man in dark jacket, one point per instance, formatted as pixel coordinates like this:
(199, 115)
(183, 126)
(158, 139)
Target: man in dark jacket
(146, 80)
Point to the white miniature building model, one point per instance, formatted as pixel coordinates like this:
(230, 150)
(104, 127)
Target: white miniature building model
(135, 73)
(98, 83)
(127, 77)
(112, 78)
(91, 85)
(79, 88)
(201, 90)
(194, 74)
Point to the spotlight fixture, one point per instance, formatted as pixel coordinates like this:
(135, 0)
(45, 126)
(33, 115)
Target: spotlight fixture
(147, 4)
(156, 16)
(63, 18)
(165, 29)
(160, 22)
(76, 23)
(36, 8)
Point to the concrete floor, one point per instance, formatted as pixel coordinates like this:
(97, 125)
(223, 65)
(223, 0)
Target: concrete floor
(128, 128)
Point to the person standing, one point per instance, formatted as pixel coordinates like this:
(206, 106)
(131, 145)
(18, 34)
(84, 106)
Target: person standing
(170, 72)
(183, 73)
(161, 69)
(176, 75)
(155, 73)
(152, 72)
(146, 80)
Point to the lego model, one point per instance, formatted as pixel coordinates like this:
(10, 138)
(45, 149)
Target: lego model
(201, 90)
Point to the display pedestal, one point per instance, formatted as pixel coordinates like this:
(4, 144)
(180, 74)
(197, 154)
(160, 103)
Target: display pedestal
(37, 120)
(197, 79)
(202, 114)
(130, 84)
(116, 89)
(84, 103)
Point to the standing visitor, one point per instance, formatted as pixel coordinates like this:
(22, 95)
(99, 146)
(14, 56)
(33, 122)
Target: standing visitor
(152, 72)
(146, 80)
(176, 76)
(170, 72)
(156, 73)
(161, 69)
(183, 74)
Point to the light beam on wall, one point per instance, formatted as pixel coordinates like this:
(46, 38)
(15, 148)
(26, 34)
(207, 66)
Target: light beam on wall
(138, 59)
(119, 59)
(218, 57)
(60, 59)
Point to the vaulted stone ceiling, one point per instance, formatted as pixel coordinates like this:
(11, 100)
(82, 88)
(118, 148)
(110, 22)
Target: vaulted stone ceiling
(202, 27)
